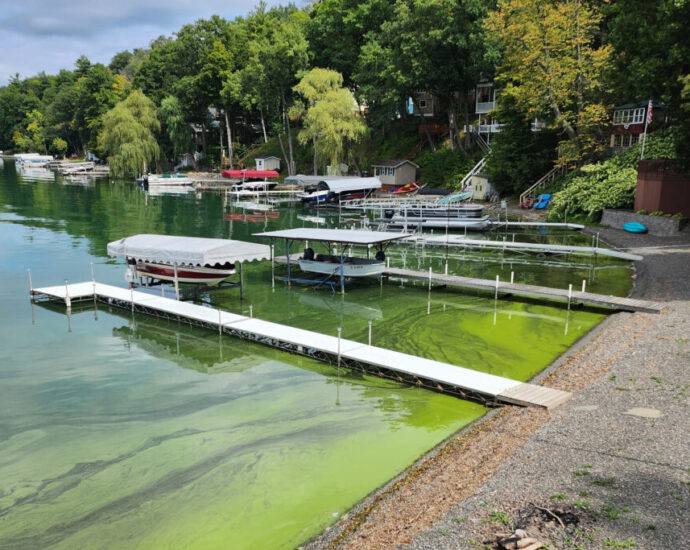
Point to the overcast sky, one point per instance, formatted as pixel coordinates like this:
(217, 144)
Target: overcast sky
(49, 35)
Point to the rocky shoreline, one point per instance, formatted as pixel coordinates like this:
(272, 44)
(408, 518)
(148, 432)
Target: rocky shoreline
(607, 469)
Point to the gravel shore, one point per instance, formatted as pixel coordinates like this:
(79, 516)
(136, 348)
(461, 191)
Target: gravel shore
(609, 469)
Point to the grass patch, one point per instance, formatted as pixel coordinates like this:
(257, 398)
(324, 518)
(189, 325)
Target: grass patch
(613, 543)
(499, 517)
(606, 482)
(656, 379)
(558, 496)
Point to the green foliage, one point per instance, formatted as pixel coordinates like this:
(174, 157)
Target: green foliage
(443, 168)
(329, 119)
(128, 135)
(519, 155)
(608, 184)
(59, 146)
(176, 128)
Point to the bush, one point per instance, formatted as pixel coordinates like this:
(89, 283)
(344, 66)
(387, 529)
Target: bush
(608, 184)
(444, 168)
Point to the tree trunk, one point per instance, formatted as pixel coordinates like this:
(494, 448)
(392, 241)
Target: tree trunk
(424, 123)
(286, 122)
(316, 159)
(220, 134)
(359, 170)
(467, 124)
(203, 138)
(228, 130)
(572, 135)
(263, 125)
(451, 128)
(282, 148)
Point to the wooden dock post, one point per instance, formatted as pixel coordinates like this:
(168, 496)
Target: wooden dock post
(31, 285)
(371, 321)
(584, 283)
(251, 311)
(429, 279)
(496, 293)
(512, 277)
(220, 322)
(570, 294)
(273, 262)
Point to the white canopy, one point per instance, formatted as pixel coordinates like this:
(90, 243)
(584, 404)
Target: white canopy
(350, 184)
(345, 236)
(188, 250)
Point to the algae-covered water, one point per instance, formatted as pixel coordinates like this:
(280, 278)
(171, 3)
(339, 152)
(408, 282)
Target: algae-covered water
(125, 431)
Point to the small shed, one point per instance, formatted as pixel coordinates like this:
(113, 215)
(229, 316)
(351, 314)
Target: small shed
(481, 188)
(395, 172)
(268, 162)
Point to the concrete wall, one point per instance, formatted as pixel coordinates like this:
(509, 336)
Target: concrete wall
(656, 225)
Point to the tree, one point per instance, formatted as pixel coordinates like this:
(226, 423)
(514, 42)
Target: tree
(651, 65)
(329, 118)
(119, 61)
(176, 127)
(552, 63)
(127, 136)
(95, 93)
(59, 146)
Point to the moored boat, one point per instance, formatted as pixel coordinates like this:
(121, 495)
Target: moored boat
(186, 274)
(167, 179)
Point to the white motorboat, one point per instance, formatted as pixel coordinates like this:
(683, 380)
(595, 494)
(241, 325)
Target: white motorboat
(168, 179)
(351, 266)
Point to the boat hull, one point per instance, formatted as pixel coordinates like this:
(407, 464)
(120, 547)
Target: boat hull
(359, 269)
(185, 274)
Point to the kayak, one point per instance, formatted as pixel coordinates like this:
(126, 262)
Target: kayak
(634, 227)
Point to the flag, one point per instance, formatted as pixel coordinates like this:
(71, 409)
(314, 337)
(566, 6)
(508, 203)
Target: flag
(650, 111)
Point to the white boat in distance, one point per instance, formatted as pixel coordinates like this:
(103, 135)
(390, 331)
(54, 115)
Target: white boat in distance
(32, 160)
(168, 179)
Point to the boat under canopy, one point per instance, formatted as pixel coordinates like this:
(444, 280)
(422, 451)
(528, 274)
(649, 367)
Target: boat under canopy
(333, 190)
(336, 265)
(185, 259)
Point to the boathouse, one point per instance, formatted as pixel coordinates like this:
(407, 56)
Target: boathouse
(267, 162)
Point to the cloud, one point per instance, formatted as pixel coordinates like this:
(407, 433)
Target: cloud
(49, 35)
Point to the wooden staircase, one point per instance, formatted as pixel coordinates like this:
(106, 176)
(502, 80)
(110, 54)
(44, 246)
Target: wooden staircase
(545, 180)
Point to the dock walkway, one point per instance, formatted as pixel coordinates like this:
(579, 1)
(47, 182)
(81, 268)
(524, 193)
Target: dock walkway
(532, 291)
(391, 364)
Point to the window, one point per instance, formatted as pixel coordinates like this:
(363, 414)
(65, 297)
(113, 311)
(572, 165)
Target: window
(422, 103)
(634, 138)
(617, 140)
(629, 116)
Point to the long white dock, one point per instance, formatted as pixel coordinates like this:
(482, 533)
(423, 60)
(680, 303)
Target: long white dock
(391, 364)
(532, 291)
(460, 241)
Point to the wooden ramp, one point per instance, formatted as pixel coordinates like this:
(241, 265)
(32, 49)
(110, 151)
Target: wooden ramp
(533, 291)
(391, 364)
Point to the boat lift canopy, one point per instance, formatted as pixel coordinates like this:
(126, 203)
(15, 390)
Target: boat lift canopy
(332, 236)
(194, 251)
(170, 249)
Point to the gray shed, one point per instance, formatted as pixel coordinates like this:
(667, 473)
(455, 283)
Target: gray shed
(395, 172)
(267, 162)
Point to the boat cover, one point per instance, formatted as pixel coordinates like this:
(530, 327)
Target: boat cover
(188, 250)
(250, 174)
(342, 185)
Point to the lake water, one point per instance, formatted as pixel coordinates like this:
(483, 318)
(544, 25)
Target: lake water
(125, 431)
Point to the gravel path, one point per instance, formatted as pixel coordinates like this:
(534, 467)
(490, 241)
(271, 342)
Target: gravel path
(613, 463)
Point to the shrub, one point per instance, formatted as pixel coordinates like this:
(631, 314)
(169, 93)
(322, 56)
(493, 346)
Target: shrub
(608, 184)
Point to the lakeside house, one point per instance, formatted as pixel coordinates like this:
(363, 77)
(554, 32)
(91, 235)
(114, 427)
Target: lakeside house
(395, 172)
(628, 121)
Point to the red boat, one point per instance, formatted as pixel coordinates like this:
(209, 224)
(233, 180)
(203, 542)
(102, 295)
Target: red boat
(186, 274)
(409, 188)
(250, 174)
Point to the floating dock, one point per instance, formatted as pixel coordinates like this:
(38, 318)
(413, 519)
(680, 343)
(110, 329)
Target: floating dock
(459, 241)
(530, 291)
(506, 288)
(466, 383)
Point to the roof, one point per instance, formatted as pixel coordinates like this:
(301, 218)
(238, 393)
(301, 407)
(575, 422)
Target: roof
(340, 185)
(345, 236)
(394, 163)
(188, 250)
(264, 157)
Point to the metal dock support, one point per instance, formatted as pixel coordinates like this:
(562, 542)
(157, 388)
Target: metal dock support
(402, 367)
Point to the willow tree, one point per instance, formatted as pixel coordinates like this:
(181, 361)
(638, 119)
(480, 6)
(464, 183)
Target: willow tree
(127, 137)
(329, 115)
(553, 64)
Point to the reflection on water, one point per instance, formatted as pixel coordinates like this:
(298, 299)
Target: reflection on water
(120, 431)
